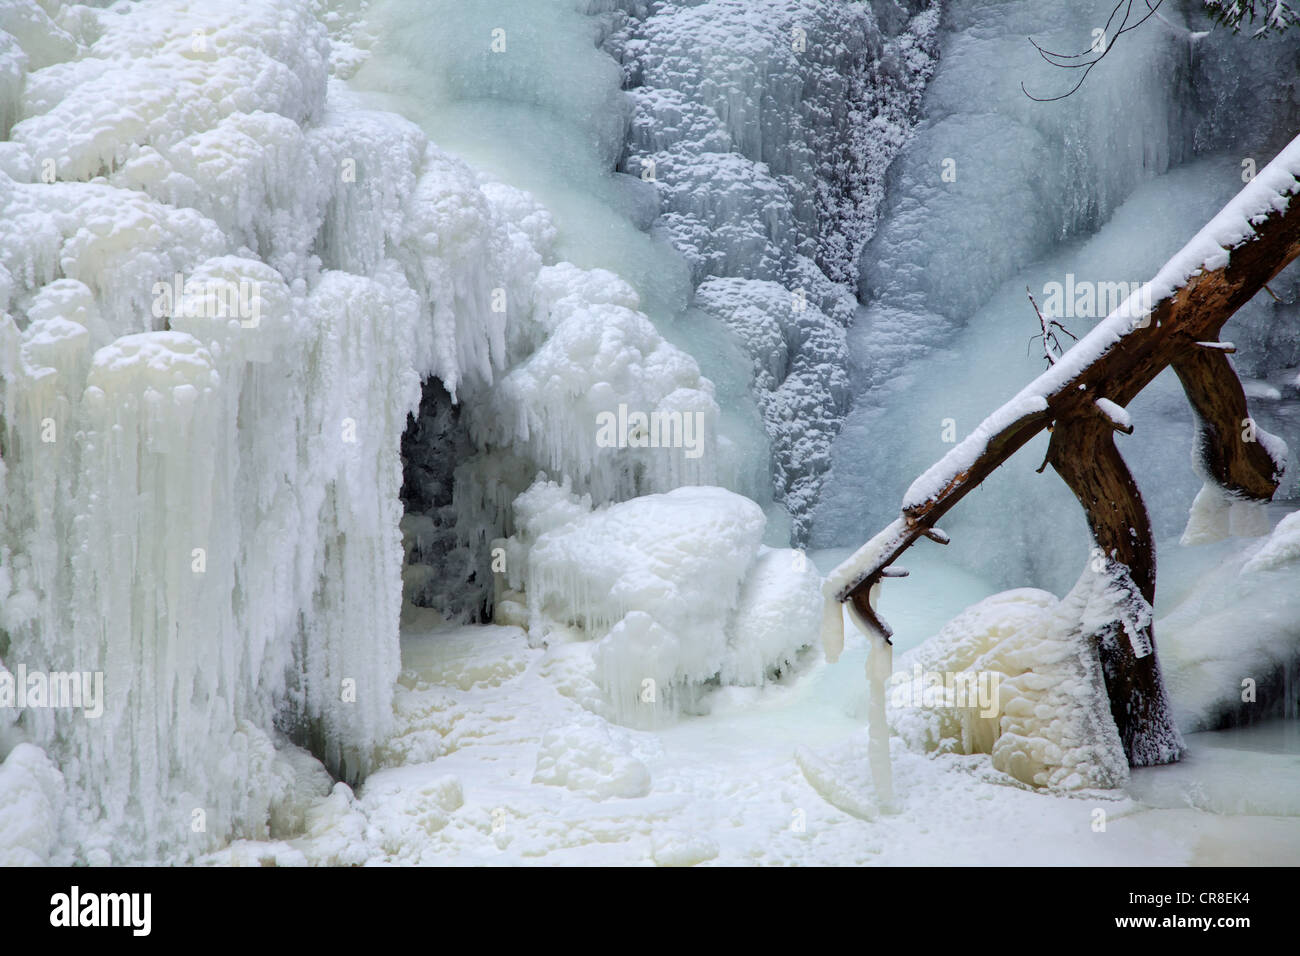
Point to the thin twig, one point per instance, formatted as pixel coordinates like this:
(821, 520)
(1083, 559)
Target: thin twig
(1064, 60)
(1047, 332)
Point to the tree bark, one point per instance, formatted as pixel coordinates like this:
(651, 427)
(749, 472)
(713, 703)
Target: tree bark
(1239, 466)
(1082, 451)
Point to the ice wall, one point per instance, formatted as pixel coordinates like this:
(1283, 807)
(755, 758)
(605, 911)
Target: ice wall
(484, 80)
(766, 128)
(201, 486)
(739, 141)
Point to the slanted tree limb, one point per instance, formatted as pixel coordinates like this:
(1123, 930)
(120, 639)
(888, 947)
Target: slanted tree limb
(1223, 267)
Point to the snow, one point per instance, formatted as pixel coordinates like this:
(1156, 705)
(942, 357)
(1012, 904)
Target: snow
(780, 777)
(670, 590)
(847, 574)
(219, 522)
(1117, 415)
(949, 470)
(583, 757)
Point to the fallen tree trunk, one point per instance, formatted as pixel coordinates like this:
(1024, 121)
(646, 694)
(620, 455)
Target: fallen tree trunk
(1174, 320)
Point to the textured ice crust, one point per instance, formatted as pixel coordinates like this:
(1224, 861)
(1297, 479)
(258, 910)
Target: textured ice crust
(1051, 726)
(766, 127)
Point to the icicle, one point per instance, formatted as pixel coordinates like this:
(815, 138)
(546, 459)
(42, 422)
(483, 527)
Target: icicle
(880, 664)
(832, 628)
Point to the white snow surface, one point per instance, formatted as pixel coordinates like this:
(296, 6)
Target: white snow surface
(496, 760)
(206, 508)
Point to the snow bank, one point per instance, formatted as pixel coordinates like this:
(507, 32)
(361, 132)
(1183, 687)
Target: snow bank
(673, 590)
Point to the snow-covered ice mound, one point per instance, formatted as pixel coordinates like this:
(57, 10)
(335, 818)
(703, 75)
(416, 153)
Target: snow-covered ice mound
(1013, 676)
(671, 591)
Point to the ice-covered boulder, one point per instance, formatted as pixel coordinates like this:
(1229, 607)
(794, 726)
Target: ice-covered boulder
(671, 590)
(1015, 677)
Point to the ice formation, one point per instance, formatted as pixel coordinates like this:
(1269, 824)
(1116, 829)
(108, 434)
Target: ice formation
(158, 554)
(1227, 634)
(750, 141)
(271, 359)
(1277, 184)
(766, 128)
(880, 660)
(223, 283)
(1051, 726)
(671, 591)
